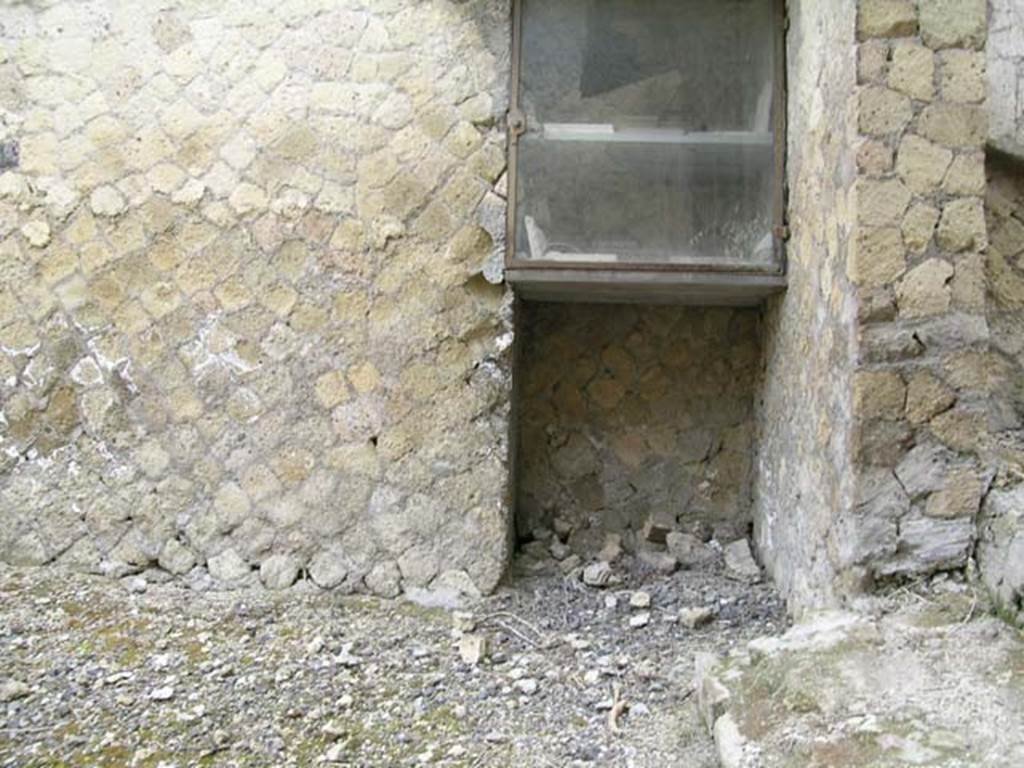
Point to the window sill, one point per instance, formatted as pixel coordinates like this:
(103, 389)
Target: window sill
(646, 287)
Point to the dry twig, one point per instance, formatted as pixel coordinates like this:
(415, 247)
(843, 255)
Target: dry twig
(619, 706)
(538, 641)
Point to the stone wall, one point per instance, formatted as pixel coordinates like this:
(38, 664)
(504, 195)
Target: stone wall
(802, 470)
(1005, 59)
(244, 318)
(627, 411)
(1001, 531)
(920, 391)
(873, 448)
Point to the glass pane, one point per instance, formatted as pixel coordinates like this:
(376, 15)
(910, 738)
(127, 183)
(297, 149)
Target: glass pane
(648, 131)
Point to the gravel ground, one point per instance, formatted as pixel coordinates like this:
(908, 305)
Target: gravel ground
(94, 672)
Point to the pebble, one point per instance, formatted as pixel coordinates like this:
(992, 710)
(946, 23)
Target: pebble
(11, 690)
(597, 574)
(640, 599)
(526, 686)
(463, 622)
(137, 585)
(688, 549)
(639, 620)
(612, 549)
(473, 648)
(335, 754)
(558, 550)
(333, 730)
(578, 643)
(164, 693)
(346, 658)
(562, 527)
(696, 617)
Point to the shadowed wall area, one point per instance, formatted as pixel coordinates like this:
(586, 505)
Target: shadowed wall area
(627, 411)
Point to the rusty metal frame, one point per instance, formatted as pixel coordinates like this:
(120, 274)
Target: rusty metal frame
(780, 231)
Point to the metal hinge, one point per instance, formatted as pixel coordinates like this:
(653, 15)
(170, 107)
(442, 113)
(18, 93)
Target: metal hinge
(516, 122)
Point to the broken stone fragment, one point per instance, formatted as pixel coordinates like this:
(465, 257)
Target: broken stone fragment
(639, 620)
(587, 540)
(712, 695)
(562, 527)
(473, 648)
(740, 563)
(542, 534)
(558, 550)
(463, 622)
(701, 529)
(570, 564)
(688, 550)
(535, 549)
(657, 526)
(640, 599)
(662, 562)
(337, 753)
(597, 574)
(333, 730)
(164, 693)
(612, 548)
(527, 686)
(692, 618)
(11, 690)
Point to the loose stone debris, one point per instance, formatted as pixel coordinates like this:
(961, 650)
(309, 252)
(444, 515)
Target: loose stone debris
(639, 620)
(696, 617)
(473, 648)
(546, 672)
(740, 563)
(10, 690)
(640, 599)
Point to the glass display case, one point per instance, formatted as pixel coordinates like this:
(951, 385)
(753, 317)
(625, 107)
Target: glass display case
(646, 150)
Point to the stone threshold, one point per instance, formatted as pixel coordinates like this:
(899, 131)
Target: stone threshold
(925, 681)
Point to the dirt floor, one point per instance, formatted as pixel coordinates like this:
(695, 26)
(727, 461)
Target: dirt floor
(135, 673)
